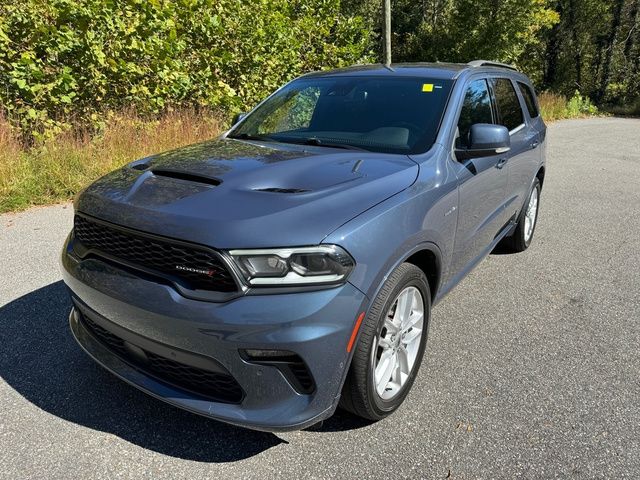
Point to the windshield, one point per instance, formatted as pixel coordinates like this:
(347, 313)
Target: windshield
(393, 115)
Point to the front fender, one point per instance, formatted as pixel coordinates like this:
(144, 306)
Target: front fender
(422, 216)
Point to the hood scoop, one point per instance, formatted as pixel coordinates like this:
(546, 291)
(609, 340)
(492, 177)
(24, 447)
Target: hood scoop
(186, 176)
(281, 190)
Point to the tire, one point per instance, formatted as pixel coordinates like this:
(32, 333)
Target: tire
(360, 392)
(520, 240)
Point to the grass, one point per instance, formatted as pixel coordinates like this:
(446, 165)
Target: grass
(557, 107)
(59, 168)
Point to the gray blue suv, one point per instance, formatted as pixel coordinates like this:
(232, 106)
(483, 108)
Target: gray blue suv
(290, 266)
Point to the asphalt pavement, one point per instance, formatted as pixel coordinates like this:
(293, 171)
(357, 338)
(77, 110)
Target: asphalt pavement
(532, 368)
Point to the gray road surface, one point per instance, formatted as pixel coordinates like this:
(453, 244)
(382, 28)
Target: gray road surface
(532, 368)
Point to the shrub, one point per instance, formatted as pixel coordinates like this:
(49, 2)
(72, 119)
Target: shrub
(580, 105)
(65, 62)
(556, 107)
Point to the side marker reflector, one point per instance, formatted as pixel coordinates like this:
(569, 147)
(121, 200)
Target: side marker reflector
(354, 333)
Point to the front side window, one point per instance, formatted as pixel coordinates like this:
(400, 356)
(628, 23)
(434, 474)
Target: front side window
(529, 99)
(509, 110)
(475, 109)
(294, 113)
(379, 114)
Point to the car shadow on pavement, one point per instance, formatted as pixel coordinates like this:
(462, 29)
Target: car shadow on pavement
(41, 361)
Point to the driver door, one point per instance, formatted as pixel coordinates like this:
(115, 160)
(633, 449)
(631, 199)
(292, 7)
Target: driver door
(482, 185)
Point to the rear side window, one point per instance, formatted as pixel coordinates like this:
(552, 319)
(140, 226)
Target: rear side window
(509, 110)
(475, 109)
(529, 99)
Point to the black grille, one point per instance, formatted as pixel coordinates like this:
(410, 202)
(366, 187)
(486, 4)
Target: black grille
(302, 374)
(291, 365)
(196, 268)
(213, 385)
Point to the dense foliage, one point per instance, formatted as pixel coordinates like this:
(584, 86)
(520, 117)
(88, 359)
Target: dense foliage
(590, 46)
(74, 60)
(71, 62)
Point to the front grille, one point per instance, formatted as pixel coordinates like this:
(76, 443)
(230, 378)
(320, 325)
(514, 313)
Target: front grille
(195, 267)
(212, 385)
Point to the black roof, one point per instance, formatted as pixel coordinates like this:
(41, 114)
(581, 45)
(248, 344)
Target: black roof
(433, 70)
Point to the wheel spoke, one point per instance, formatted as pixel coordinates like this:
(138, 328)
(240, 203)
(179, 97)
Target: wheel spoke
(384, 370)
(391, 325)
(415, 318)
(384, 342)
(403, 361)
(403, 311)
(412, 336)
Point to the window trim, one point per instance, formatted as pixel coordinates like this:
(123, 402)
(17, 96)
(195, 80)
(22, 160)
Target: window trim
(494, 113)
(520, 84)
(519, 127)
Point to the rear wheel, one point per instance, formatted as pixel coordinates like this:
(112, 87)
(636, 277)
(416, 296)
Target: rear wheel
(391, 346)
(522, 236)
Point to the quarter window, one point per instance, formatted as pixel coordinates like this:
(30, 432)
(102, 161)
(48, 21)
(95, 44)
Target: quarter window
(475, 109)
(509, 110)
(529, 99)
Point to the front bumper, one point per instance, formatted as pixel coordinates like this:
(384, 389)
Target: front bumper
(315, 325)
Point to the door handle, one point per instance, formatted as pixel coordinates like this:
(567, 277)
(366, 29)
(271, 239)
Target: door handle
(534, 144)
(501, 163)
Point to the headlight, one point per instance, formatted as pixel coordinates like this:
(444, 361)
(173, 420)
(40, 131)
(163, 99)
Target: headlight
(324, 264)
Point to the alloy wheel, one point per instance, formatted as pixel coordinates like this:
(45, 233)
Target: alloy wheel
(397, 345)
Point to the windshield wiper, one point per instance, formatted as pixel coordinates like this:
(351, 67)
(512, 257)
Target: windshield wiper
(321, 143)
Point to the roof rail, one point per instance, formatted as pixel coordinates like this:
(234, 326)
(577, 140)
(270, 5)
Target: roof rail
(489, 63)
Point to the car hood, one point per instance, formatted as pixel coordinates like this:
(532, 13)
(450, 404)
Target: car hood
(230, 193)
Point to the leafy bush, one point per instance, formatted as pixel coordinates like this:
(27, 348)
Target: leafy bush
(556, 107)
(66, 62)
(580, 105)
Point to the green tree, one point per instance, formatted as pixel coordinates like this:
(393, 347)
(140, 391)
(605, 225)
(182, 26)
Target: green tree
(74, 60)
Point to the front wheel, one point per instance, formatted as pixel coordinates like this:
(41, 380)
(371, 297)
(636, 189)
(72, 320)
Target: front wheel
(391, 346)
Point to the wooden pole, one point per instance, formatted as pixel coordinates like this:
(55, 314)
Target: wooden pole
(387, 32)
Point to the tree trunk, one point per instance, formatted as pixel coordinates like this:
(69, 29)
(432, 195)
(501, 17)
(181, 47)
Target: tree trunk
(606, 67)
(551, 57)
(633, 26)
(577, 56)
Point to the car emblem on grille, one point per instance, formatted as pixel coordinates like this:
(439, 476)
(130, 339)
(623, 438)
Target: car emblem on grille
(207, 272)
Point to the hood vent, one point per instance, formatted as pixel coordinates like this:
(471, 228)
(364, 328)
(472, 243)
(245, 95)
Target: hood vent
(189, 177)
(282, 190)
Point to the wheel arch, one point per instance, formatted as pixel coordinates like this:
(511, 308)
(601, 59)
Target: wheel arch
(429, 262)
(540, 175)
(426, 256)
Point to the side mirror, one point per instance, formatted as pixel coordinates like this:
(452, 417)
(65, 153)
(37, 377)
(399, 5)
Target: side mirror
(237, 117)
(485, 140)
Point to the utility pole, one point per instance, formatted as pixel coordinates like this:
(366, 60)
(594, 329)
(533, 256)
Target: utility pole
(387, 32)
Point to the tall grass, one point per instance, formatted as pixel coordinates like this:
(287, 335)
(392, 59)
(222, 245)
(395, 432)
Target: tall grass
(557, 107)
(59, 168)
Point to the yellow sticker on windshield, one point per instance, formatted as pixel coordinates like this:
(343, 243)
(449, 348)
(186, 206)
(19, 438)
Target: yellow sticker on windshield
(427, 87)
